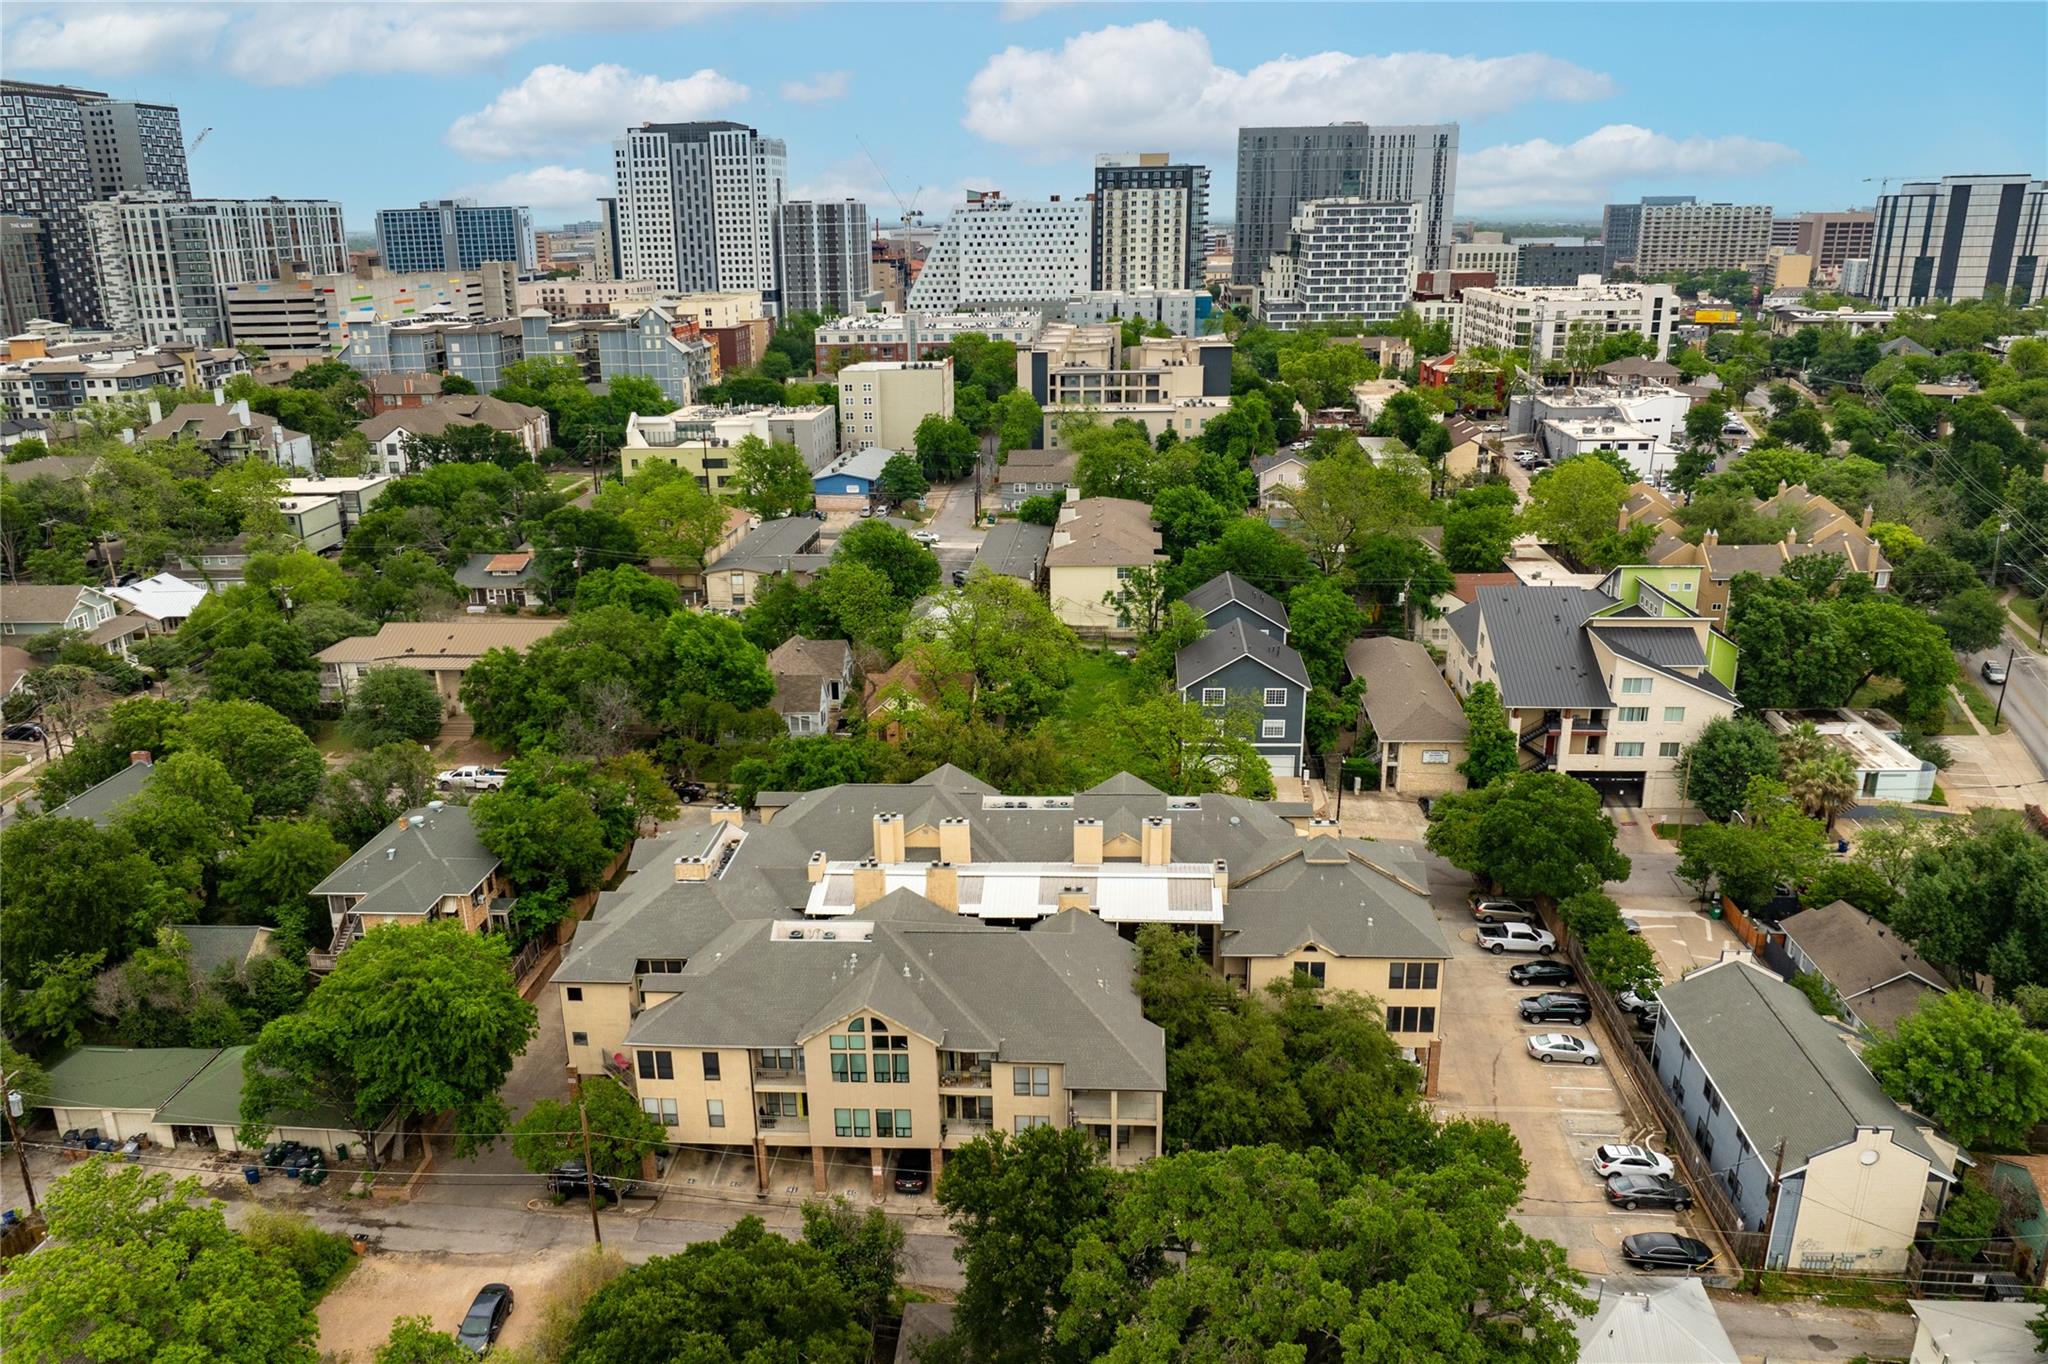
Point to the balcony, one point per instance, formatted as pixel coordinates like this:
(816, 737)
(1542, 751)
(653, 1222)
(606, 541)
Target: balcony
(979, 1079)
(964, 1129)
(1088, 1105)
(775, 1077)
(782, 1125)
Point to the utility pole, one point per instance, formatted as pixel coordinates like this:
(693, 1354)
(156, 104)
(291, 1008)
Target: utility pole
(14, 1134)
(589, 1170)
(1999, 710)
(1770, 1218)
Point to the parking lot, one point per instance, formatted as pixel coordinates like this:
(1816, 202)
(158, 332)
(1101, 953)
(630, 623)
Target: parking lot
(1558, 1112)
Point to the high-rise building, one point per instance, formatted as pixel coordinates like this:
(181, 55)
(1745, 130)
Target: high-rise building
(607, 240)
(1855, 277)
(696, 206)
(996, 250)
(1280, 169)
(1502, 260)
(454, 234)
(24, 273)
(1785, 233)
(1675, 237)
(1957, 238)
(1832, 238)
(824, 256)
(61, 147)
(1555, 263)
(1151, 222)
(162, 262)
(1622, 224)
(1539, 322)
(318, 315)
(1345, 259)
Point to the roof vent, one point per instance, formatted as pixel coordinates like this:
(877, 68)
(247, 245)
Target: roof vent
(390, 854)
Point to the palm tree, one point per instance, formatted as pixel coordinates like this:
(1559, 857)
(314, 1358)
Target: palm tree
(1802, 743)
(1823, 785)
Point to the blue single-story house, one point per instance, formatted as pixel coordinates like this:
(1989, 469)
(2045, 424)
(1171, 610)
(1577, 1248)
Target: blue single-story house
(848, 482)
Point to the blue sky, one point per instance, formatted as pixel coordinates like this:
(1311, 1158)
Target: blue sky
(1562, 107)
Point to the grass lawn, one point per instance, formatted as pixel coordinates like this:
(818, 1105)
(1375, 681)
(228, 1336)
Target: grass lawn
(1981, 702)
(2028, 612)
(1670, 832)
(10, 761)
(1881, 693)
(328, 739)
(1099, 677)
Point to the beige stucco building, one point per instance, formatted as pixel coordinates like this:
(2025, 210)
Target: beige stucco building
(1096, 544)
(881, 402)
(1417, 725)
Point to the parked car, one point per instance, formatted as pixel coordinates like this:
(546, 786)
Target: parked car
(1555, 1007)
(1562, 1046)
(1993, 671)
(1647, 1191)
(959, 577)
(486, 1317)
(1631, 1160)
(573, 1181)
(23, 733)
(925, 537)
(914, 1171)
(1665, 1250)
(1499, 938)
(1631, 926)
(1543, 973)
(472, 777)
(691, 790)
(1495, 909)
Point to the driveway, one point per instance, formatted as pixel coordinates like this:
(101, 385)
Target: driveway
(953, 522)
(495, 1178)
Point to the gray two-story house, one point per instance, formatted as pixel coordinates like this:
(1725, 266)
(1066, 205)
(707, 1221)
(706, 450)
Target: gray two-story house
(1793, 1126)
(1227, 597)
(1237, 666)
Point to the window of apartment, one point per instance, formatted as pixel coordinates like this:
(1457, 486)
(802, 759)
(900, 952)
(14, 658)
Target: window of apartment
(783, 1059)
(1636, 686)
(1026, 1121)
(1633, 714)
(892, 1122)
(714, 1109)
(579, 1039)
(1212, 696)
(1276, 696)
(1411, 975)
(1628, 749)
(780, 1105)
(1667, 750)
(574, 994)
(848, 1068)
(1272, 729)
(1674, 715)
(842, 1122)
(662, 1111)
(1309, 972)
(1411, 1018)
(1712, 1095)
(860, 1122)
(1031, 1080)
(711, 1065)
(657, 1065)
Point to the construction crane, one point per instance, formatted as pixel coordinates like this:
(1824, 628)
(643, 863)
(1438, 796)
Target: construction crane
(906, 209)
(193, 145)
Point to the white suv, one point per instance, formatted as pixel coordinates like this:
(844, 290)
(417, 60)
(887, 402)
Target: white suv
(1514, 937)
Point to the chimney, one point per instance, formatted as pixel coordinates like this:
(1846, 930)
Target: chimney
(1621, 520)
(869, 885)
(726, 814)
(1792, 537)
(220, 396)
(404, 823)
(1088, 842)
(1320, 828)
(814, 870)
(241, 410)
(1073, 494)
(139, 755)
(889, 838)
(156, 412)
(1073, 897)
(1867, 514)
(956, 840)
(1223, 879)
(942, 886)
(692, 869)
(1155, 841)
(1710, 539)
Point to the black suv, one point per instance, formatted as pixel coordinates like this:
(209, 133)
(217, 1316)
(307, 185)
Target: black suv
(1543, 973)
(573, 1181)
(1554, 1007)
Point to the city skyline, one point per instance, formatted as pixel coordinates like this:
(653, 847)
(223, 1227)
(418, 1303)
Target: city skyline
(520, 104)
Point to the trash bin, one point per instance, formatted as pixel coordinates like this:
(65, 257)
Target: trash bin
(341, 1150)
(292, 1172)
(253, 1173)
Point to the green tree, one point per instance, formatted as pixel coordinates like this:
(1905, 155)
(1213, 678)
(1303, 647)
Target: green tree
(373, 1039)
(1491, 752)
(271, 876)
(265, 753)
(415, 1340)
(185, 819)
(1140, 598)
(946, 448)
(1774, 845)
(1889, 639)
(770, 480)
(713, 657)
(468, 444)
(1344, 498)
(547, 823)
(1182, 748)
(1719, 765)
(1039, 511)
(1477, 539)
(633, 588)
(1020, 422)
(806, 764)
(1322, 621)
(748, 1296)
(621, 1132)
(1001, 632)
(910, 568)
(902, 480)
(1973, 618)
(139, 1270)
(1538, 833)
(1967, 1223)
(1575, 504)
(72, 889)
(1823, 785)
(373, 789)
(1970, 1064)
(1979, 902)
(1019, 1205)
(864, 1249)
(674, 519)
(392, 705)
(1622, 961)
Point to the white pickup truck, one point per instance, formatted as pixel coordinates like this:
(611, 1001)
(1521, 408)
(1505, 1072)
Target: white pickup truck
(471, 777)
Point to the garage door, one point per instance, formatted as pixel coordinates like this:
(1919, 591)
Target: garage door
(1284, 764)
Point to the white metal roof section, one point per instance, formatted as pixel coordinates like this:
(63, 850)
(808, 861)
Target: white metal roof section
(1117, 892)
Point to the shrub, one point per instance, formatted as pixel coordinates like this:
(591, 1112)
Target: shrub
(1621, 961)
(1817, 993)
(317, 1257)
(1588, 914)
(1966, 1223)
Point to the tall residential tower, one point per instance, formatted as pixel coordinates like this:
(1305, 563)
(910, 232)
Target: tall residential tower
(1151, 222)
(697, 204)
(823, 265)
(454, 235)
(1280, 169)
(1957, 238)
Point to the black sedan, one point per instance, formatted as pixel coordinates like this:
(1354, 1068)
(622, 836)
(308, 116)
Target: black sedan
(479, 1330)
(1553, 1007)
(23, 733)
(1647, 1191)
(1665, 1250)
(1542, 973)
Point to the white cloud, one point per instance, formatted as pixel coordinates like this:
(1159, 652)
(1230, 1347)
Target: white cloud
(303, 42)
(825, 86)
(1582, 173)
(557, 109)
(556, 194)
(1155, 85)
(116, 42)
